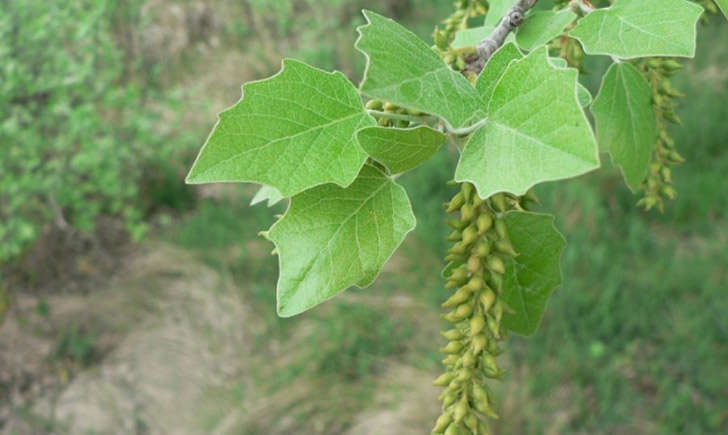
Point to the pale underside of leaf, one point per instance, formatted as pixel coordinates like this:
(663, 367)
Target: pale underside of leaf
(332, 238)
(534, 273)
(293, 131)
(401, 149)
(640, 28)
(540, 27)
(536, 131)
(403, 70)
(267, 193)
(625, 121)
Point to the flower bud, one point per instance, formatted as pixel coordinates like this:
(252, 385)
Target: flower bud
(374, 105)
(487, 298)
(444, 379)
(457, 298)
(499, 202)
(479, 342)
(470, 234)
(461, 409)
(452, 347)
(495, 264)
(453, 334)
(500, 229)
(457, 201)
(442, 422)
(484, 222)
(477, 323)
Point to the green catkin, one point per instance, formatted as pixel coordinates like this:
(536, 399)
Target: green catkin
(658, 186)
(475, 310)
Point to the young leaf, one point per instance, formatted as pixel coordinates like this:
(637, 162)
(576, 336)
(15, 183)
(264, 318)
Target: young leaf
(332, 238)
(495, 68)
(541, 27)
(534, 273)
(267, 193)
(293, 131)
(536, 131)
(625, 121)
(497, 10)
(640, 28)
(402, 69)
(401, 149)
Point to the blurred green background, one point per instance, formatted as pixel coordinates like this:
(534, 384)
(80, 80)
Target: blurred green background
(131, 303)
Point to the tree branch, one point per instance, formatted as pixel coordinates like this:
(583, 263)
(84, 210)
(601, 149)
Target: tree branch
(495, 40)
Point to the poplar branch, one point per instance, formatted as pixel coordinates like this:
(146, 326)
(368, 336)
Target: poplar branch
(495, 40)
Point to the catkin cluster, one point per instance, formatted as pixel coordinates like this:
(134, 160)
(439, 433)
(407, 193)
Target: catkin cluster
(658, 184)
(445, 34)
(481, 249)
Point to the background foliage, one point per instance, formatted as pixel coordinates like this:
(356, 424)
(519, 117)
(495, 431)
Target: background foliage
(102, 103)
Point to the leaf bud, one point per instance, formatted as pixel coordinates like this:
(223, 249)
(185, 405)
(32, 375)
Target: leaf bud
(484, 222)
(474, 265)
(390, 107)
(461, 409)
(454, 236)
(450, 360)
(482, 249)
(495, 264)
(467, 190)
(479, 342)
(442, 422)
(476, 283)
(477, 323)
(444, 379)
(374, 105)
(460, 296)
(471, 422)
(470, 234)
(669, 192)
(499, 202)
(487, 298)
(453, 334)
(456, 202)
(505, 247)
(467, 213)
(452, 347)
(500, 229)
(468, 360)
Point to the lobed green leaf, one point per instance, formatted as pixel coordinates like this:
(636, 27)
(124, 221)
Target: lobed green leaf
(625, 121)
(534, 273)
(723, 5)
(497, 9)
(640, 28)
(293, 131)
(267, 193)
(536, 131)
(403, 70)
(401, 149)
(332, 238)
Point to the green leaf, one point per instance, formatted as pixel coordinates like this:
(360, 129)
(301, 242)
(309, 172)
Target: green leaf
(723, 5)
(497, 10)
(471, 37)
(401, 149)
(625, 121)
(293, 131)
(585, 97)
(534, 273)
(536, 131)
(402, 69)
(640, 28)
(541, 27)
(267, 193)
(332, 238)
(494, 69)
